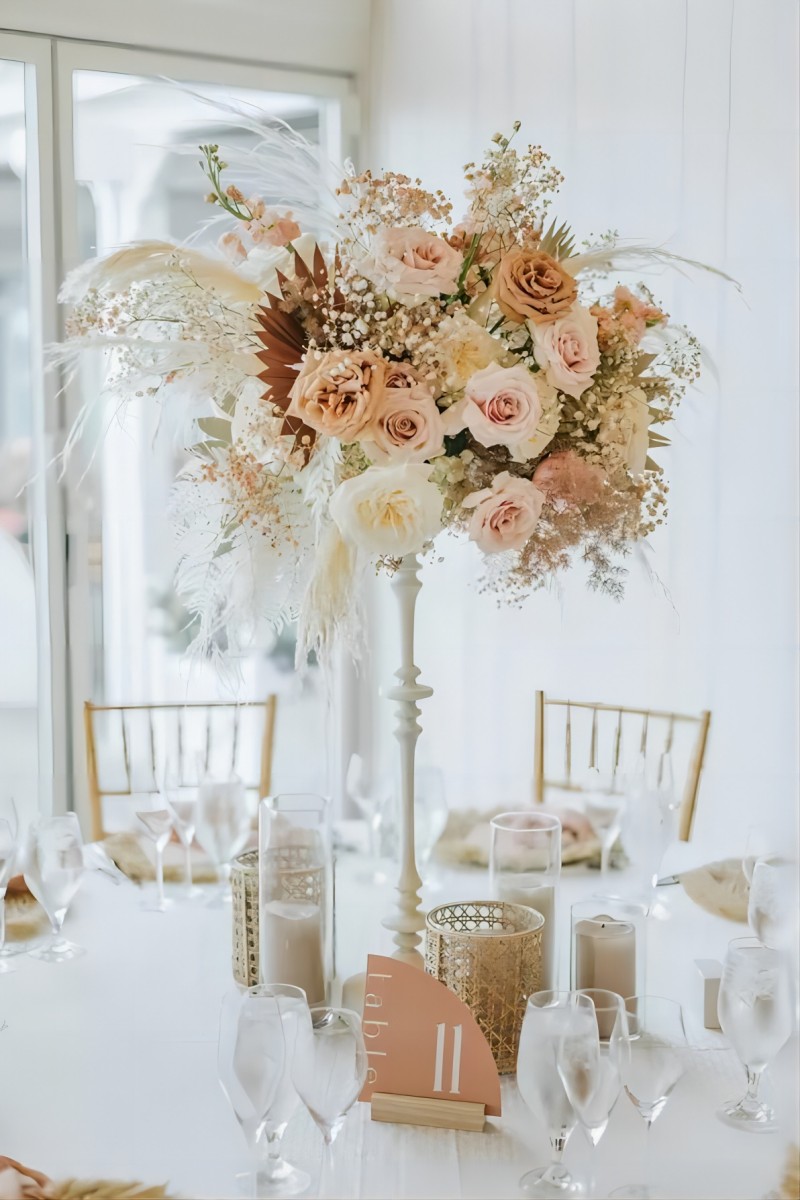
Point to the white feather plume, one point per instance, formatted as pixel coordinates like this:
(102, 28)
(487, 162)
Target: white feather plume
(151, 261)
(628, 256)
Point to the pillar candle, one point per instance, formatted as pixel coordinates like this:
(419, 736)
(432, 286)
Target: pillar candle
(605, 956)
(542, 898)
(292, 948)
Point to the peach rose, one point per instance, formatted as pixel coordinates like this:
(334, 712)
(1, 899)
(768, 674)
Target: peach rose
(407, 427)
(529, 285)
(505, 515)
(566, 349)
(337, 393)
(21, 1183)
(566, 476)
(501, 405)
(409, 261)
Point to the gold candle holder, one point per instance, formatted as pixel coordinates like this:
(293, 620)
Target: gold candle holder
(489, 953)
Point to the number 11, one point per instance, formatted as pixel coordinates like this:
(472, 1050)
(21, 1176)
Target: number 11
(439, 1064)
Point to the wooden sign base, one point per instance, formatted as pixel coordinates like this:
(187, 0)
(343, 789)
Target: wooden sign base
(420, 1110)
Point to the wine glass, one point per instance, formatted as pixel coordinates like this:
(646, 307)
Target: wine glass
(759, 843)
(8, 854)
(223, 825)
(604, 810)
(181, 802)
(651, 1062)
(773, 906)
(53, 865)
(8, 813)
(549, 1018)
(157, 823)
(755, 1014)
(330, 1067)
(257, 1035)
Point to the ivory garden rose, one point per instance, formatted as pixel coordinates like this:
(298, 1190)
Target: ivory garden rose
(567, 351)
(388, 510)
(505, 515)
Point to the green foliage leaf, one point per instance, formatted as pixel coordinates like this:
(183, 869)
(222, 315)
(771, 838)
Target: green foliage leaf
(217, 428)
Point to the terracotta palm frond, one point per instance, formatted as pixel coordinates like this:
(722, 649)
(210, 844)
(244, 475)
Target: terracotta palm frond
(284, 341)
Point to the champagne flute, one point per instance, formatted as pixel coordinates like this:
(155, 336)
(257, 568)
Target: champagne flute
(330, 1067)
(257, 1035)
(53, 865)
(8, 854)
(755, 1014)
(158, 826)
(549, 1018)
(651, 1062)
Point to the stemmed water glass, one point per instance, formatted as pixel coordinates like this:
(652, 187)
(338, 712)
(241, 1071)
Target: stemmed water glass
(773, 907)
(651, 1062)
(8, 854)
(53, 865)
(257, 1035)
(755, 1014)
(550, 1017)
(157, 822)
(181, 802)
(223, 825)
(330, 1067)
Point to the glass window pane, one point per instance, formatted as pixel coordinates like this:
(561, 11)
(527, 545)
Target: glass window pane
(18, 652)
(132, 187)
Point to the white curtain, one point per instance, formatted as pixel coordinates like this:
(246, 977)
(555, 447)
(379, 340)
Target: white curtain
(675, 123)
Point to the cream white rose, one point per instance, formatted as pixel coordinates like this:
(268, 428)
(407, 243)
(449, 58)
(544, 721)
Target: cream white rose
(465, 347)
(389, 510)
(566, 349)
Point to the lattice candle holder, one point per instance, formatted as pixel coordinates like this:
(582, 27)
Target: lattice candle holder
(298, 879)
(489, 953)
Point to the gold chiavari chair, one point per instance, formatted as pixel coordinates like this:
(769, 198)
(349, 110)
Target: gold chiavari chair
(645, 732)
(127, 746)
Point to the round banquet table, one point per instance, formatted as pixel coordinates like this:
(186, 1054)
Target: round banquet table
(108, 1063)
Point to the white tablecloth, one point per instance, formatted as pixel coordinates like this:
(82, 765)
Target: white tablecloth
(108, 1065)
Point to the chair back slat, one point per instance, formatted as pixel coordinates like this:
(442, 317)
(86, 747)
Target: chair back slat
(618, 740)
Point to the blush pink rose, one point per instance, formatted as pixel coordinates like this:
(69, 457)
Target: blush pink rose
(566, 349)
(338, 393)
(407, 427)
(568, 477)
(506, 514)
(409, 261)
(501, 406)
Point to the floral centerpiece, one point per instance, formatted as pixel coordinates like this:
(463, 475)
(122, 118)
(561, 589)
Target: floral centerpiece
(365, 388)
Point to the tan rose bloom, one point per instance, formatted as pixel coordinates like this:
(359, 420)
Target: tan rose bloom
(337, 393)
(529, 285)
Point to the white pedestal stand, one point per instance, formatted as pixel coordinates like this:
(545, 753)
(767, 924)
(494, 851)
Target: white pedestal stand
(408, 919)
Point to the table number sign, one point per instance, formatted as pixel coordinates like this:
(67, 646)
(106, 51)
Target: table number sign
(429, 1063)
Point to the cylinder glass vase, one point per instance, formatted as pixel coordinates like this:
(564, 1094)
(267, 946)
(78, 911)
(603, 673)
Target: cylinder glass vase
(295, 904)
(525, 868)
